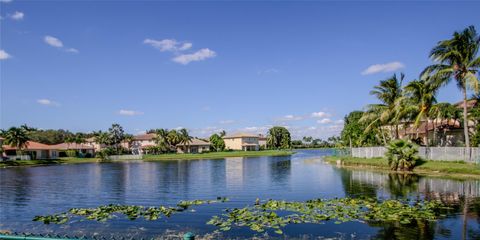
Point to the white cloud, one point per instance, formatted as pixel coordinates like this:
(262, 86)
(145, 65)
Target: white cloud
(199, 55)
(129, 112)
(4, 55)
(325, 121)
(227, 121)
(17, 15)
(72, 50)
(47, 102)
(53, 41)
(340, 121)
(290, 118)
(168, 45)
(386, 67)
(5, 1)
(320, 114)
(268, 71)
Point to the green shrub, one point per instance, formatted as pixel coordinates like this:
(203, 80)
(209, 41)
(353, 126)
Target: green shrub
(71, 153)
(103, 154)
(402, 155)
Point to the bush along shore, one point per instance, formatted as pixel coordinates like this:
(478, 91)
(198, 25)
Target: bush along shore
(160, 157)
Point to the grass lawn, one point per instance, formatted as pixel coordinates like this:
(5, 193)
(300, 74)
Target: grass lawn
(172, 156)
(216, 155)
(46, 162)
(453, 169)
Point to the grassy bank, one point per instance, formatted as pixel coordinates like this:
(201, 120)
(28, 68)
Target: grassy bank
(452, 169)
(173, 156)
(19, 163)
(216, 155)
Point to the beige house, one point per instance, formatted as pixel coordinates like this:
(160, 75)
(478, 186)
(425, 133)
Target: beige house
(262, 141)
(195, 146)
(242, 141)
(141, 142)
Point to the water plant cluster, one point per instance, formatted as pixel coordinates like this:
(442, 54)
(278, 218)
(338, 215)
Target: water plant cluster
(132, 212)
(274, 215)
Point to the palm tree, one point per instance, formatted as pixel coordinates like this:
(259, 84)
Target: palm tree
(161, 139)
(445, 112)
(173, 138)
(185, 138)
(457, 60)
(222, 133)
(16, 137)
(389, 91)
(418, 99)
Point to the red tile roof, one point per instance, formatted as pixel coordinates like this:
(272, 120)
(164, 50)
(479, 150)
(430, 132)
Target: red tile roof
(144, 137)
(31, 145)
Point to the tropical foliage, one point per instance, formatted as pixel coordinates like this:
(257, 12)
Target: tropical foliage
(402, 155)
(217, 143)
(17, 137)
(279, 138)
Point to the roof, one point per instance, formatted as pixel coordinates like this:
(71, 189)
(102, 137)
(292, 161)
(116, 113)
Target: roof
(448, 124)
(66, 146)
(31, 145)
(241, 135)
(144, 137)
(470, 103)
(196, 142)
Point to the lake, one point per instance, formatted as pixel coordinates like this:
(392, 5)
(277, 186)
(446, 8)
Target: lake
(29, 191)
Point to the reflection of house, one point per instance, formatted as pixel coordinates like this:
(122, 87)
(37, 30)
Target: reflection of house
(242, 141)
(82, 149)
(34, 149)
(195, 146)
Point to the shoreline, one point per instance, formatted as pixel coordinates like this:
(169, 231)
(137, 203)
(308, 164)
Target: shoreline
(149, 158)
(455, 170)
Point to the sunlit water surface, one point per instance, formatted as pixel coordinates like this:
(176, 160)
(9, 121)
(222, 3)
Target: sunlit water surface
(26, 192)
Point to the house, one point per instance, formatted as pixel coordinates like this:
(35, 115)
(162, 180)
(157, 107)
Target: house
(82, 149)
(242, 141)
(195, 146)
(441, 133)
(141, 142)
(34, 150)
(96, 146)
(262, 141)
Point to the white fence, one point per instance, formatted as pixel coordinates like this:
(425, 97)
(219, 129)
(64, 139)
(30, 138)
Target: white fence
(431, 153)
(125, 157)
(18, 157)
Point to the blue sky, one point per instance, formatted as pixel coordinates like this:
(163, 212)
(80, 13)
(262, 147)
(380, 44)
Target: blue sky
(207, 66)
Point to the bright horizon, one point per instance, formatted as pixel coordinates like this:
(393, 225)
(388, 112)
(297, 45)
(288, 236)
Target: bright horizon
(208, 66)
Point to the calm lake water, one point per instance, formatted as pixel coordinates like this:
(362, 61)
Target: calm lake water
(26, 192)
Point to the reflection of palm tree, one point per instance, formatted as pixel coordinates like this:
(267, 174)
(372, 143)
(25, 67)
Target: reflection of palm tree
(401, 185)
(354, 188)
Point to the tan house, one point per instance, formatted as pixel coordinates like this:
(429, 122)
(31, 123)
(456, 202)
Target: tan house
(82, 149)
(242, 141)
(141, 142)
(195, 146)
(33, 149)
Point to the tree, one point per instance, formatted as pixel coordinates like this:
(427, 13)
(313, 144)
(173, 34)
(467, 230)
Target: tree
(174, 137)
(307, 139)
(223, 133)
(419, 97)
(161, 139)
(102, 138)
(17, 137)
(279, 137)
(389, 91)
(217, 142)
(185, 138)
(354, 131)
(456, 59)
(402, 155)
(445, 113)
(117, 135)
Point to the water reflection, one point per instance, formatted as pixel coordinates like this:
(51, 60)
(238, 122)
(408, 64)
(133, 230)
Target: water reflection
(26, 192)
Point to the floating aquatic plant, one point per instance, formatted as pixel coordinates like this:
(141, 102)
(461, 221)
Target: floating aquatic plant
(274, 214)
(132, 212)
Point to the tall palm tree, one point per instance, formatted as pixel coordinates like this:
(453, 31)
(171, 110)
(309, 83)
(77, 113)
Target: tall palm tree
(173, 138)
(16, 137)
(222, 133)
(389, 91)
(419, 98)
(161, 139)
(185, 138)
(457, 59)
